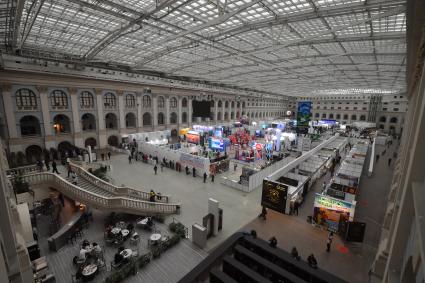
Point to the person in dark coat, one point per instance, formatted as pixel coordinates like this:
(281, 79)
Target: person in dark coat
(54, 167)
(296, 205)
(212, 178)
(155, 168)
(194, 171)
(205, 177)
(109, 155)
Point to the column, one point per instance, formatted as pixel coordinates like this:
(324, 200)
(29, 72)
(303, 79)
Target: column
(102, 142)
(179, 112)
(189, 112)
(139, 111)
(215, 110)
(49, 141)
(223, 102)
(12, 124)
(229, 110)
(121, 108)
(167, 112)
(154, 112)
(76, 119)
(240, 109)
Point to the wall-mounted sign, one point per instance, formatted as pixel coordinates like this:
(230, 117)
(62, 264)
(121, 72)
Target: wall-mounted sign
(274, 196)
(331, 203)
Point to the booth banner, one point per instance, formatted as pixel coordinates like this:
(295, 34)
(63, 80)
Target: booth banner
(193, 138)
(331, 203)
(330, 212)
(193, 161)
(303, 116)
(274, 196)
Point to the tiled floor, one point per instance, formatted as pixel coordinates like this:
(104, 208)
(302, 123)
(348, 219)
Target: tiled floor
(350, 261)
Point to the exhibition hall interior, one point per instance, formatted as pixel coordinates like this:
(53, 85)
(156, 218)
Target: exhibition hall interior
(212, 141)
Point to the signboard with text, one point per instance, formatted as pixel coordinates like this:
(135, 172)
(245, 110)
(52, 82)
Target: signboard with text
(303, 116)
(274, 196)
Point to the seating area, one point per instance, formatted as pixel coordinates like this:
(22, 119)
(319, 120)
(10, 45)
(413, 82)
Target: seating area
(246, 258)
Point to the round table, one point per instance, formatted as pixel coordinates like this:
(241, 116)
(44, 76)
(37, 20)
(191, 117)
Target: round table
(89, 271)
(155, 237)
(125, 232)
(126, 253)
(115, 230)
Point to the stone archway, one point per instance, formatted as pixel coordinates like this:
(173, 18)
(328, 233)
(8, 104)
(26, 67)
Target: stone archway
(33, 153)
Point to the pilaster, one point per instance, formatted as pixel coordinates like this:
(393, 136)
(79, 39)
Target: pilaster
(179, 111)
(47, 121)
(189, 114)
(12, 124)
(78, 140)
(100, 119)
(154, 112)
(139, 110)
(121, 111)
(167, 112)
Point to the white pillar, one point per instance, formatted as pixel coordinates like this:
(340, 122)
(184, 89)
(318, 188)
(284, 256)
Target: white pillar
(189, 114)
(167, 112)
(78, 139)
(154, 112)
(139, 110)
(215, 110)
(100, 119)
(12, 124)
(213, 209)
(47, 122)
(121, 111)
(223, 109)
(179, 111)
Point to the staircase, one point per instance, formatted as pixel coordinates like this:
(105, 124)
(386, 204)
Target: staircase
(99, 194)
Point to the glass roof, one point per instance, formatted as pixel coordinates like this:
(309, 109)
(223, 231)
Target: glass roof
(288, 47)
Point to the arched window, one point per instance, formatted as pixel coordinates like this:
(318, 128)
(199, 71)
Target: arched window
(147, 121)
(147, 102)
(184, 102)
(30, 126)
(338, 116)
(238, 105)
(160, 118)
(110, 101)
(90, 142)
(232, 104)
(220, 104)
(226, 104)
(88, 122)
(317, 115)
(130, 101)
(362, 118)
(382, 127)
(331, 116)
(111, 121)
(383, 119)
(59, 98)
(393, 120)
(130, 120)
(173, 102)
(113, 141)
(243, 104)
(161, 102)
(173, 118)
(61, 124)
(184, 117)
(87, 99)
(323, 115)
(345, 117)
(212, 103)
(25, 98)
(353, 117)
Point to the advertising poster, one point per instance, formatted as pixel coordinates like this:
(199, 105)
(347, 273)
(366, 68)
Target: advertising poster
(193, 138)
(274, 196)
(217, 144)
(303, 116)
(329, 211)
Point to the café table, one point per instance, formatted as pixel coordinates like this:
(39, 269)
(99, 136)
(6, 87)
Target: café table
(126, 253)
(154, 238)
(125, 232)
(89, 271)
(115, 230)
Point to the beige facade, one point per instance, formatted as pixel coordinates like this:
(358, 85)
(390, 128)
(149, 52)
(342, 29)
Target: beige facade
(46, 110)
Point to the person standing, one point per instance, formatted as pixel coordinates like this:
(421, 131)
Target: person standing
(162, 167)
(263, 213)
(296, 205)
(377, 157)
(235, 166)
(324, 186)
(212, 177)
(194, 172)
(129, 159)
(109, 155)
(155, 168)
(102, 155)
(389, 162)
(152, 196)
(205, 176)
(54, 167)
(329, 242)
(69, 169)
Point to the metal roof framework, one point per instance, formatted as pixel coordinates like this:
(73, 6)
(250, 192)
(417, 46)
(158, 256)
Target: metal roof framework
(287, 47)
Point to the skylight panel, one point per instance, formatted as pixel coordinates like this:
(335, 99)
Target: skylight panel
(330, 3)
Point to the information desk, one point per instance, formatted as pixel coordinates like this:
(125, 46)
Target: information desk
(60, 238)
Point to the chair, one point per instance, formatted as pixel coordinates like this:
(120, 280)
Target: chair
(40, 264)
(134, 240)
(80, 261)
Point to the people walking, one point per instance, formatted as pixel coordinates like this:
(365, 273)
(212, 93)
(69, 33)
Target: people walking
(294, 253)
(389, 162)
(46, 162)
(205, 176)
(155, 168)
(54, 167)
(74, 178)
(312, 261)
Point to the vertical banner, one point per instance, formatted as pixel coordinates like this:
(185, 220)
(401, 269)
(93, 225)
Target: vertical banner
(274, 196)
(303, 116)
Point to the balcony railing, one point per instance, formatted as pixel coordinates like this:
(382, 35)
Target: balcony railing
(122, 204)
